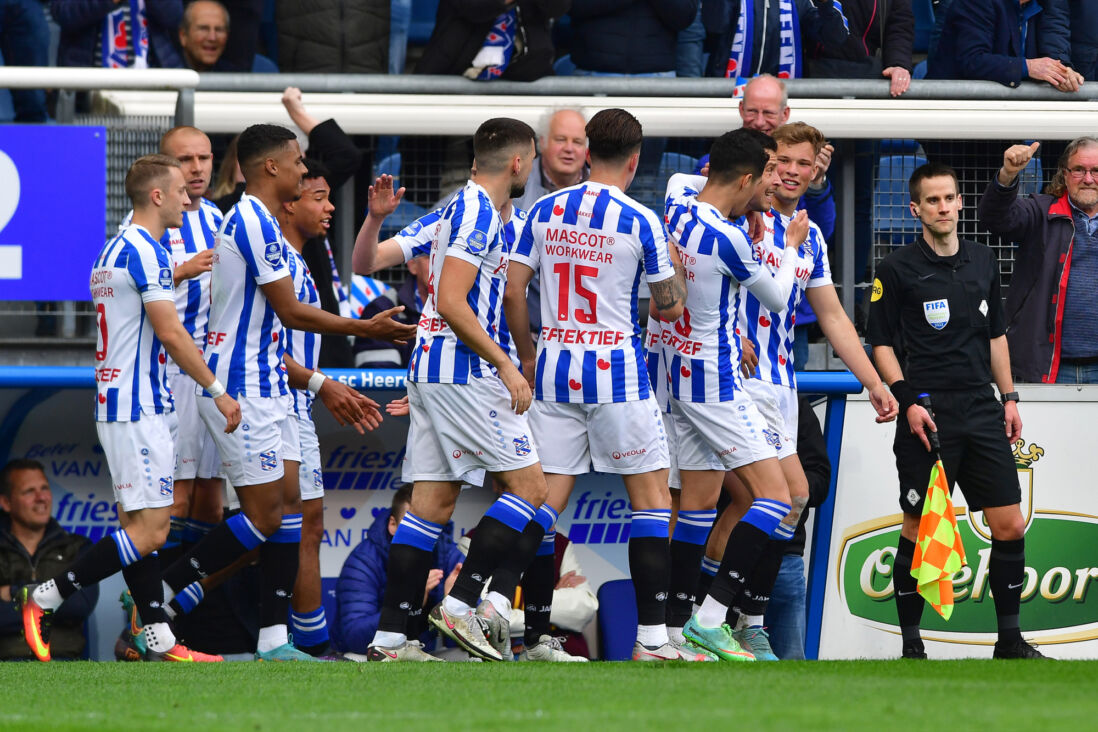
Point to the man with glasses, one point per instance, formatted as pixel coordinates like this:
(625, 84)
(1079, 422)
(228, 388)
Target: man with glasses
(1050, 305)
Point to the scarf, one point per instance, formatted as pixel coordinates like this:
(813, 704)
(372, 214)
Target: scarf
(741, 59)
(498, 49)
(126, 37)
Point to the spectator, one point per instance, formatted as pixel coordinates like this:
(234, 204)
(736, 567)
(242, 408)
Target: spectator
(102, 33)
(690, 49)
(1084, 37)
(493, 39)
(33, 545)
(629, 37)
(351, 36)
(1006, 41)
(25, 41)
(879, 44)
(362, 580)
(751, 37)
(203, 34)
(226, 190)
(242, 48)
(1050, 305)
(562, 159)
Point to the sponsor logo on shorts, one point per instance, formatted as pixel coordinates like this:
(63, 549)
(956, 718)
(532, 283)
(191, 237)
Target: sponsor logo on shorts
(522, 445)
(629, 453)
(123, 486)
(458, 454)
(318, 478)
(726, 451)
(268, 460)
(166, 485)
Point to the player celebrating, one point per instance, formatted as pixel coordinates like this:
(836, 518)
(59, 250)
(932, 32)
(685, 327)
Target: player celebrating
(592, 244)
(252, 296)
(131, 282)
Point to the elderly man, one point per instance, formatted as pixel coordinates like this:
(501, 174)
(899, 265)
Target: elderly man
(203, 34)
(1050, 305)
(562, 142)
(31, 542)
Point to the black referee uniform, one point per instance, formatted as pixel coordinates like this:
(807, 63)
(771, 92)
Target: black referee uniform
(939, 314)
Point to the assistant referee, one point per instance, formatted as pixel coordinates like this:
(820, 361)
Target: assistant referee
(936, 309)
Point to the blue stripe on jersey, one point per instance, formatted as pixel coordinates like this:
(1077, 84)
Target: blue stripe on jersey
(643, 382)
(590, 377)
(727, 364)
(544, 210)
(539, 380)
(135, 385)
(112, 405)
(240, 347)
(434, 360)
(485, 212)
(727, 252)
(156, 374)
(598, 212)
(560, 380)
(648, 245)
(617, 372)
(751, 307)
(697, 379)
(456, 214)
(707, 241)
(675, 371)
(572, 204)
(652, 358)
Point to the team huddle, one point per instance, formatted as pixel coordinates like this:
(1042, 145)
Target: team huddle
(206, 369)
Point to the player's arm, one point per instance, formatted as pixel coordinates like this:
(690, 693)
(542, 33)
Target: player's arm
(517, 312)
(369, 256)
(297, 315)
(844, 339)
(669, 295)
(347, 405)
(180, 346)
(1000, 372)
(773, 291)
(196, 265)
(455, 282)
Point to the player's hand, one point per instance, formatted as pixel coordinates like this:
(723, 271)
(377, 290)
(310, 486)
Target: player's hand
(797, 231)
(231, 411)
(749, 360)
(398, 407)
(529, 369)
(570, 579)
(196, 265)
(518, 388)
(886, 405)
(1013, 422)
(823, 162)
(434, 579)
(451, 578)
(918, 419)
(756, 227)
(899, 79)
(381, 199)
(1047, 69)
(349, 407)
(384, 328)
(1015, 159)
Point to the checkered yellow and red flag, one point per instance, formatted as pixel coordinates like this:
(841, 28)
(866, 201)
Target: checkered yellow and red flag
(939, 553)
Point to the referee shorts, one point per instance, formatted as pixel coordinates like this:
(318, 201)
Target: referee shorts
(975, 452)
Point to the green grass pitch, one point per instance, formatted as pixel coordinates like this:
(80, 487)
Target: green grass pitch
(884, 696)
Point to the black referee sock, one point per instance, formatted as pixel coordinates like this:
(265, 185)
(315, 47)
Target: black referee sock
(650, 567)
(1007, 574)
(95, 565)
(741, 554)
(490, 547)
(686, 558)
(278, 572)
(537, 596)
(405, 583)
(143, 579)
(760, 582)
(506, 576)
(226, 542)
(909, 603)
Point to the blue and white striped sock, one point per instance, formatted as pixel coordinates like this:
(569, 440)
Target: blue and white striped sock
(289, 531)
(512, 511)
(693, 527)
(650, 523)
(765, 514)
(417, 532)
(310, 628)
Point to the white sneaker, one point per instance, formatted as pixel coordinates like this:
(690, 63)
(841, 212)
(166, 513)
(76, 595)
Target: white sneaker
(468, 630)
(549, 648)
(498, 631)
(669, 652)
(411, 650)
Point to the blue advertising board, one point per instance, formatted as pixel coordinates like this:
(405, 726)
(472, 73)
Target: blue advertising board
(53, 183)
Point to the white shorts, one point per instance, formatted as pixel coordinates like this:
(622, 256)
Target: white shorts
(778, 406)
(460, 428)
(141, 459)
(673, 480)
(310, 476)
(251, 454)
(196, 453)
(720, 435)
(624, 438)
(470, 479)
(291, 438)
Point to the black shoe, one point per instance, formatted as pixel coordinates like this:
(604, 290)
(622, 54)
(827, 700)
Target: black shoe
(1017, 648)
(914, 649)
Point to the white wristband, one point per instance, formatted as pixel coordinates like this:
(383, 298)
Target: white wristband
(316, 381)
(216, 389)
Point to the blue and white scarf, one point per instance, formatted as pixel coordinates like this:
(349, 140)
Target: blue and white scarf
(126, 37)
(498, 49)
(741, 57)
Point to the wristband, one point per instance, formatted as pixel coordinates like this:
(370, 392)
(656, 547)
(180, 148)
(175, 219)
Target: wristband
(905, 395)
(216, 389)
(1010, 396)
(316, 381)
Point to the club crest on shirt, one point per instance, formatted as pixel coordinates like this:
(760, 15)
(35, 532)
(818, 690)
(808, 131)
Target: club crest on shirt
(165, 278)
(936, 313)
(273, 253)
(413, 228)
(477, 241)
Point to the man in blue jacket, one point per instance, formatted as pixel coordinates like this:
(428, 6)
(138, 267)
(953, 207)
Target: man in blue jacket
(361, 585)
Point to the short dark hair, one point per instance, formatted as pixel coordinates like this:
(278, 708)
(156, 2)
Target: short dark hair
(17, 464)
(259, 140)
(613, 135)
(497, 139)
(401, 498)
(737, 153)
(316, 169)
(929, 170)
(145, 174)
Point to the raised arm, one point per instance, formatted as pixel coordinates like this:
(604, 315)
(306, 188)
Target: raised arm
(368, 255)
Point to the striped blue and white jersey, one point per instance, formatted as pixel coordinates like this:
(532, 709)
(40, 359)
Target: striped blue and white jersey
(592, 246)
(416, 238)
(244, 342)
(130, 375)
(470, 230)
(770, 331)
(301, 345)
(702, 348)
(657, 366)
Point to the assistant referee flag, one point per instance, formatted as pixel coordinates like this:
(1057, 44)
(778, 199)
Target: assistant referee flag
(939, 553)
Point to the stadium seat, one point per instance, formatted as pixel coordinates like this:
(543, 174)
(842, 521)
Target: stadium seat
(892, 220)
(423, 21)
(919, 72)
(563, 66)
(617, 620)
(672, 162)
(924, 24)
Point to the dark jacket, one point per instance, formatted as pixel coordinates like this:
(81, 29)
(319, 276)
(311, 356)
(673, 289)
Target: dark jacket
(1084, 37)
(981, 39)
(629, 36)
(54, 555)
(1043, 229)
(821, 23)
(372, 353)
(461, 27)
(812, 451)
(865, 33)
(361, 584)
(81, 24)
(333, 36)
